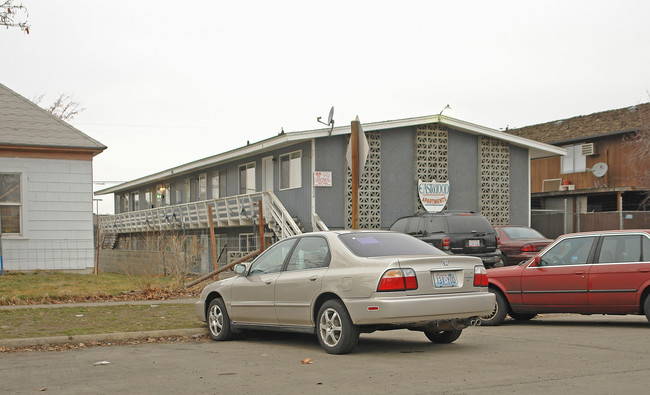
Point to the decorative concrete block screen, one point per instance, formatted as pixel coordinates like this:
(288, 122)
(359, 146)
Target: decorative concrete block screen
(431, 157)
(369, 188)
(495, 180)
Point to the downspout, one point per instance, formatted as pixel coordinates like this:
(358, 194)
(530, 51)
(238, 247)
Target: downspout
(313, 188)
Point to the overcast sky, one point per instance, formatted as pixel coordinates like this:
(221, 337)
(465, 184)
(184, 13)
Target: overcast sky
(167, 82)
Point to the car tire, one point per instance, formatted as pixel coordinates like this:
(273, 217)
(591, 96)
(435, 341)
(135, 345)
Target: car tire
(522, 316)
(442, 336)
(646, 307)
(334, 328)
(498, 315)
(218, 320)
(504, 259)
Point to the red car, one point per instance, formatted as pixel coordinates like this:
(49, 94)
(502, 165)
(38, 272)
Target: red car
(606, 272)
(519, 243)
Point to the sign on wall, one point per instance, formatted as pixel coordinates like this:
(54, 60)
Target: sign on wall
(322, 178)
(433, 195)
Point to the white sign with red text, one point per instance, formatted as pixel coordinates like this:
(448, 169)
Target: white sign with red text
(433, 195)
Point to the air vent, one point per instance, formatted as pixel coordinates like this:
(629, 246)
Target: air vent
(588, 149)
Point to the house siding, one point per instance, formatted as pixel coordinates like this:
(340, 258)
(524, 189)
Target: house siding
(57, 223)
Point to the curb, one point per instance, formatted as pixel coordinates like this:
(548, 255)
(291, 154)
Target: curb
(38, 341)
(95, 304)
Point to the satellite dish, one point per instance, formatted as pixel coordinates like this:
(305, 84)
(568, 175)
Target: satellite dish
(330, 120)
(599, 169)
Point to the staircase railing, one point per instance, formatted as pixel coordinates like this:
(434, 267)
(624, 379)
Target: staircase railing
(319, 225)
(238, 210)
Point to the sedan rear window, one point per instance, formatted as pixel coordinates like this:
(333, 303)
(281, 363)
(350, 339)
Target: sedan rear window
(369, 244)
(522, 233)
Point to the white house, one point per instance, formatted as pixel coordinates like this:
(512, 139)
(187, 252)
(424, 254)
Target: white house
(45, 188)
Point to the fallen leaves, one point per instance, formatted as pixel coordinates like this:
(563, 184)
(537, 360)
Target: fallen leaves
(306, 361)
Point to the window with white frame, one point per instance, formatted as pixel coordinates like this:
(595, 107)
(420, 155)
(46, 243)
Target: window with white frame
(218, 184)
(290, 170)
(246, 242)
(247, 178)
(574, 161)
(10, 202)
(147, 199)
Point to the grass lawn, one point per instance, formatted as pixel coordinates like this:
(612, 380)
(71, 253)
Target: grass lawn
(67, 321)
(46, 287)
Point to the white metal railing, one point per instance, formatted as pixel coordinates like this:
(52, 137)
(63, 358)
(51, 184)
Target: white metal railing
(319, 225)
(240, 210)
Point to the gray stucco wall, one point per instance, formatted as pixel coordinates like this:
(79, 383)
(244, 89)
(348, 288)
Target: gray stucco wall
(463, 171)
(398, 179)
(519, 197)
(330, 201)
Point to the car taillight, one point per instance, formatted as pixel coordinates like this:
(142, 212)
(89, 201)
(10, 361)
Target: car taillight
(498, 241)
(528, 248)
(445, 244)
(398, 280)
(480, 276)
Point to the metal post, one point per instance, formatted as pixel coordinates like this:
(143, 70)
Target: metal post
(566, 215)
(620, 211)
(354, 167)
(261, 223)
(578, 214)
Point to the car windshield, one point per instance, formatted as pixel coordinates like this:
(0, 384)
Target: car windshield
(468, 224)
(370, 244)
(522, 233)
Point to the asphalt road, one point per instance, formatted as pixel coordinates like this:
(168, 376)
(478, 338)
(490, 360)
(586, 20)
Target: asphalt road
(551, 354)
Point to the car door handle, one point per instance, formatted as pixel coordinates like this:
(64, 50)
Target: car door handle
(644, 270)
(314, 278)
(268, 282)
(579, 272)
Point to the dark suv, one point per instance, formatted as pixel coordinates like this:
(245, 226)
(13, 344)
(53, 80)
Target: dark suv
(465, 233)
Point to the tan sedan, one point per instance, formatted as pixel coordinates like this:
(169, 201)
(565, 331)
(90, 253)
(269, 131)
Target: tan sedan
(339, 284)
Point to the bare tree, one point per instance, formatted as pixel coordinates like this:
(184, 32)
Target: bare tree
(65, 107)
(11, 15)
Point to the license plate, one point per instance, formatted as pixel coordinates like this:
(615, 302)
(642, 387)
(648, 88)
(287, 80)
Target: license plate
(473, 243)
(442, 280)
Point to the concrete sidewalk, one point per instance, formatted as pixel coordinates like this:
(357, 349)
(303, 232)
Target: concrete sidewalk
(101, 337)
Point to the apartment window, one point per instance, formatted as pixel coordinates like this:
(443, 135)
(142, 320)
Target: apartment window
(124, 203)
(218, 184)
(247, 178)
(203, 186)
(290, 170)
(163, 192)
(247, 242)
(147, 199)
(10, 202)
(188, 194)
(574, 161)
(135, 201)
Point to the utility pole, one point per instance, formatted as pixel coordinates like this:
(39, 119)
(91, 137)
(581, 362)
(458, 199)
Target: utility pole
(354, 166)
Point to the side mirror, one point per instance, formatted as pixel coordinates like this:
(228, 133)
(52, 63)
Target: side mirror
(537, 260)
(240, 268)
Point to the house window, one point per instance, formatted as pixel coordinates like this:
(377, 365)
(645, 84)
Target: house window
(218, 184)
(290, 170)
(247, 178)
(135, 201)
(574, 161)
(188, 194)
(10, 202)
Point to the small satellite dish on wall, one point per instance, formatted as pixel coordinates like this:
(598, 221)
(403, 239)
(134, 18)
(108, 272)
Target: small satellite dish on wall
(599, 169)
